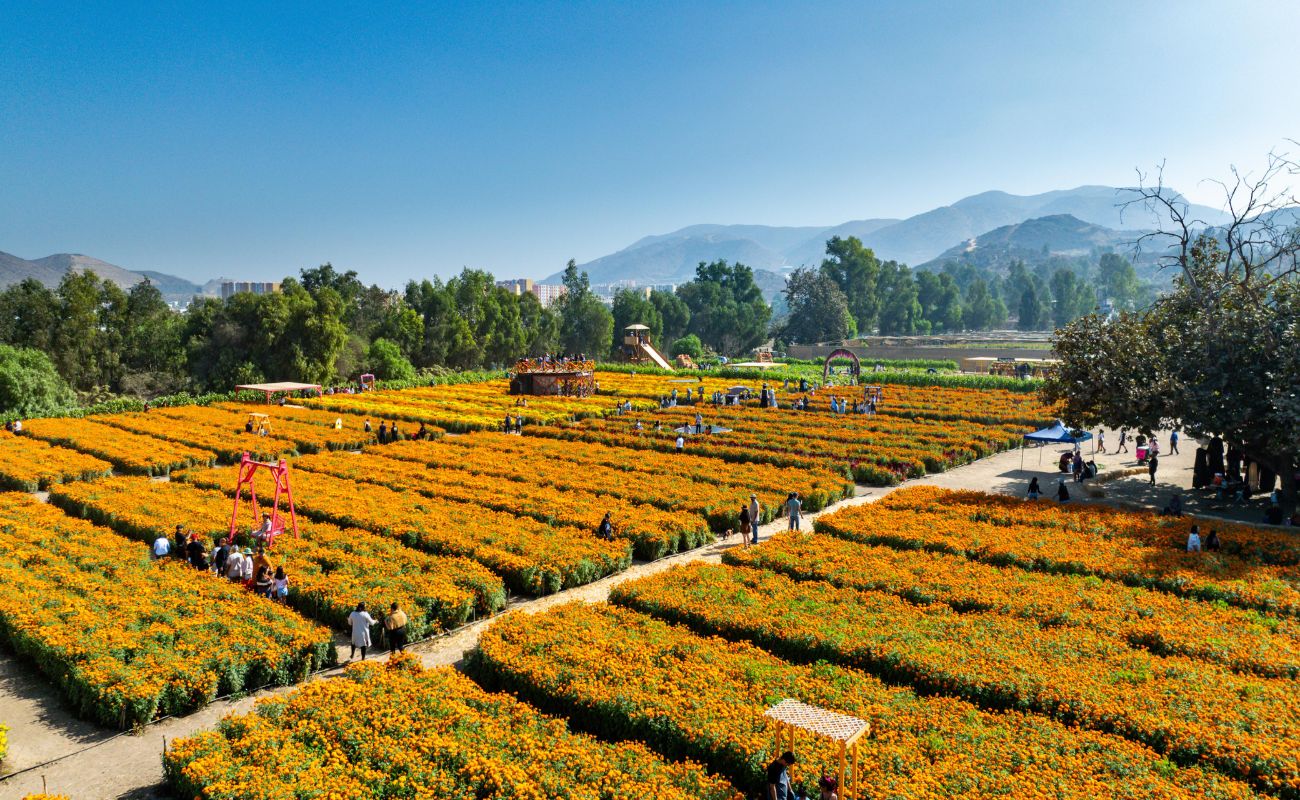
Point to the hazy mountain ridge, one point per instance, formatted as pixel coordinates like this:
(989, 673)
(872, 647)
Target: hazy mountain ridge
(51, 269)
(1031, 240)
(672, 257)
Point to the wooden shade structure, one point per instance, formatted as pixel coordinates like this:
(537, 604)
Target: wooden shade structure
(846, 731)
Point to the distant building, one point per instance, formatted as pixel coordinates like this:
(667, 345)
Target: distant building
(546, 293)
(231, 288)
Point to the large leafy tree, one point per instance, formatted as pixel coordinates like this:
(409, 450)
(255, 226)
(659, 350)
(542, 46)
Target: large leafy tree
(586, 326)
(1217, 355)
(1118, 281)
(674, 313)
(855, 269)
(28, 312)
(819, 311)
(30, 386)
(1071, 297)
(982, 310)
(728, 312)
(900, 308)
(541, 326)
(153, 354)
(940, 300)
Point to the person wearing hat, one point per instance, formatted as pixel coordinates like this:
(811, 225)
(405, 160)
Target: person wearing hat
(755, 516)
(246, 566)
(778, 778)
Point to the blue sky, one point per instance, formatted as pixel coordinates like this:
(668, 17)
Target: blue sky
(407, 141)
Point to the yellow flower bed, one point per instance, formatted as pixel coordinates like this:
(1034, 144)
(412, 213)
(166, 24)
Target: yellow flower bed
(532, 557)
(28, 464)
(228, 443)
(1166, 624)
(627, 675)
(653, 532)
(4, 741)
(127, 640)
(1256, 569)
(305, 437)
(1191, 710)
(129, 452)
(330, 569)
(395, 730)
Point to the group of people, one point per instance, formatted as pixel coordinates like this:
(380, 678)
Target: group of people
(550, 363)
(14, 426)
(395, 623)
(513, 423)
(253, 569)
(778, 785)
(389, 433)
(1194, 543)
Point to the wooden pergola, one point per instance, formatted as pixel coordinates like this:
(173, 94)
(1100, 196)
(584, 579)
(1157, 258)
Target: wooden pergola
(846, 731)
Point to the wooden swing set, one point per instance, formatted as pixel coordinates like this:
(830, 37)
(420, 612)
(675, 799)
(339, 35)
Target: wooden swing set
(280, 476)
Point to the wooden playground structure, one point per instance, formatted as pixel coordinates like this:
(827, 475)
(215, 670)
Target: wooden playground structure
(792, 716)
(637, 348)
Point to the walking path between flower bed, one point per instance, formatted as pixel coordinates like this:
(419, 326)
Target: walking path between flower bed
(86, 762)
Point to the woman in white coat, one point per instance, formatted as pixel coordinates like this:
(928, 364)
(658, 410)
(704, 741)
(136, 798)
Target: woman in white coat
(361, 622)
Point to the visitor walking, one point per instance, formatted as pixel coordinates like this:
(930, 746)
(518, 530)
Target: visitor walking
(1077, 466)
(680, 445)
(1123, 441)
(778, 778)
(1173, 443)
(1212, 541)
(360, 620)
(744, 524)
(1194, 540)
(161, 546)
(395, 629)
(699, 422)
(221, 555)
(1062, 493)
(198, 557)
(1152, 464)
(1034, 492)
(181, 540)
(234, 569)
(755, 516)
(263, 582)
(794, 508)
(1101, 441)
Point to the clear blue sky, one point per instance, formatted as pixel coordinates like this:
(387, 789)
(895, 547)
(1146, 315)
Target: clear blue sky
(210, 139)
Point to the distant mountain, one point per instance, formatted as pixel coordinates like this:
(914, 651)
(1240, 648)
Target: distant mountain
(1032, 240)
(671, 258)
(51, 269)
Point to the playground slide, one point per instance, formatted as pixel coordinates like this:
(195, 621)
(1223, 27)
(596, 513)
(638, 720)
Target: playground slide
(649, 350)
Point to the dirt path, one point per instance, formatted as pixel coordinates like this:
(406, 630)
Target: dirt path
(88, 763)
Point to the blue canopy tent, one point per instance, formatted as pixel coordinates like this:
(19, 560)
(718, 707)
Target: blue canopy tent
(1053, 433)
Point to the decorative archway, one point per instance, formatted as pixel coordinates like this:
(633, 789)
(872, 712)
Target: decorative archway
(841, 353)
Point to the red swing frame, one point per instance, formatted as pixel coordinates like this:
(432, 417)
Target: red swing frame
(280, 475)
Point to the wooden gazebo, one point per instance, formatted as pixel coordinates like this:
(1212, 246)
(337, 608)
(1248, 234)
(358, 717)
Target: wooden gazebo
(846, 731)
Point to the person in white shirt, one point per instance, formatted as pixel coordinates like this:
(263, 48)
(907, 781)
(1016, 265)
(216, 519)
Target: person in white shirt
(755, 515)
(1194, 540)
(235, 565)
(161, 546)
(681, 444)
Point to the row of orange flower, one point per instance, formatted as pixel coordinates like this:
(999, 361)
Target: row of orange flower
(1130, 547)
(531, 556)
(628, 675)
(307, 437)
(28, 464)
(228, 442)
(126, 639)
(1167, 624)
(132, 453)
(653, 532)
(330, 569)
(395, 730)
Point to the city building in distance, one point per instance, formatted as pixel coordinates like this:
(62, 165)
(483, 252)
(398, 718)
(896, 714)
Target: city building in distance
(231, 288)
(546, 293)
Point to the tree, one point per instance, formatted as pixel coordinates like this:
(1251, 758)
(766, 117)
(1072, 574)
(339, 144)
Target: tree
(982, 311)
(28, 313)
(1219, 354)
(153, 354)
(30, 386)
(1028, 318)
(688, 345)
(819, 311)
(674, 313)
(728, 312)
(1071, 297)
(855, 269)
(1118, 281)
(940, 300)
(632, 307)
(88, 329)
(900, 310)
(541, 326)
(586, 326)
(387, 362)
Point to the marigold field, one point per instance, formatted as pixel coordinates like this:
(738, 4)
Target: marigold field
(998, 647)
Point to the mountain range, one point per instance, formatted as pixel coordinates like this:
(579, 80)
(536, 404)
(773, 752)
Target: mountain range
(922, 238)
(51, 269)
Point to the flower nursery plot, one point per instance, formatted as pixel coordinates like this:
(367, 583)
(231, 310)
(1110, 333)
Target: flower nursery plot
(229, 443)
(126, 639)
(132, 453)
(28, 464)
(653, 532)
(396, 730)
(1189, 709)
(623, 674)
(306, 437)
(1135, 548)
(330, 569)
(1244, 640)
(531, 556)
